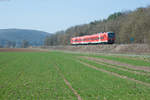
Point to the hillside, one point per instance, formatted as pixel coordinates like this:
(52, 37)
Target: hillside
(16, 36)
(129, 26)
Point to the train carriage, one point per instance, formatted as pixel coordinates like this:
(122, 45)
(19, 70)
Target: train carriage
(99, 38)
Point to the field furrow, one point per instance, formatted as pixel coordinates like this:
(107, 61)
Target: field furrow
(140, 77)
(101, 62)
(133, 63)
(115, 74)
(68, 84)
(33, 77)
(67, 76)
(92, 84)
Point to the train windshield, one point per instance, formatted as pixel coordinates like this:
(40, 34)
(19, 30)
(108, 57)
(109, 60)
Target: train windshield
(111, 35)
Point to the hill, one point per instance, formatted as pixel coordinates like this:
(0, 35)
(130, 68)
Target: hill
(9, 37)
(130, 27)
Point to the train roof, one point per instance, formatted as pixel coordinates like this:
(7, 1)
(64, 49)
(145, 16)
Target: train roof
(91, 35)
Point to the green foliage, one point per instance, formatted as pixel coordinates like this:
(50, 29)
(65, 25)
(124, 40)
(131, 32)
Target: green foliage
(114, 16)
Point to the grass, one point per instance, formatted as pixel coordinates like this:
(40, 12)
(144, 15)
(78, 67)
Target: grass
(33, 76)
(137, 61)
(130, 69)
(144, 78)
(93, 84)
(122, 59)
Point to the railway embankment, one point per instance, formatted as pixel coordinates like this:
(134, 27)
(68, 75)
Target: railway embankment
(115, 48)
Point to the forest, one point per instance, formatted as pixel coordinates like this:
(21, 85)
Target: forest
(129, 27)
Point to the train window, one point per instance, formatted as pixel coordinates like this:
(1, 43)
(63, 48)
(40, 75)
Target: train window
(102, 37)
(97, 38)
(111, 35)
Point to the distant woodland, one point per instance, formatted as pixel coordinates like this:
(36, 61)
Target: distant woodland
(17, 38)
(129, 26)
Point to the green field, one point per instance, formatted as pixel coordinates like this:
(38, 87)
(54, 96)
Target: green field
(42, 75)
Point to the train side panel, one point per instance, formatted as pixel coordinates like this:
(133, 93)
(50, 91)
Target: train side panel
(105, 37)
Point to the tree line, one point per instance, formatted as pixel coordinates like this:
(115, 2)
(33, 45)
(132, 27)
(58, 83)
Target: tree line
(14, 44)
(129, 26)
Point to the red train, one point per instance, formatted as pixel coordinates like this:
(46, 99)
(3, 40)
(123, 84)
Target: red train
(99, 38)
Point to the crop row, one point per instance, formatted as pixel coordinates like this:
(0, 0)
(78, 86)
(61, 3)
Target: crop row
(140, 77)
(34, 76)
(94, 85)
(135, 62)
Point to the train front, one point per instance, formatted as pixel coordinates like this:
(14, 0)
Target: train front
(111, 37)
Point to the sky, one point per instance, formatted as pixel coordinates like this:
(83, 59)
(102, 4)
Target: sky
(55, 15)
